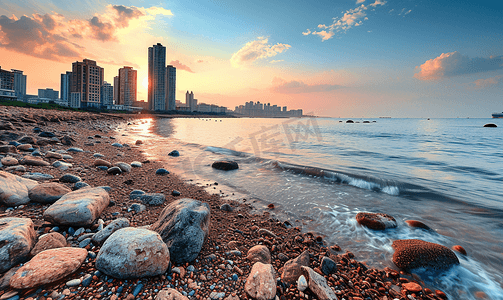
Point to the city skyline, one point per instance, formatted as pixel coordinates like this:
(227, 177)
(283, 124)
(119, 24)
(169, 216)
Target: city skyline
(343, 58)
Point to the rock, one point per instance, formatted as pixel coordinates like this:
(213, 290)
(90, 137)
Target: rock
(175, 193)
(66, 140)
(138, 142)
(417, 224)
(17, 238)
(47, 241)
(98, 155)
(9, 161)
(25, 147)
(8, 136)
(412, 287)
(48, 266)
(376, 221)
(8, 149)
(16, 168)
(114, 171)
(123, 166)
(136, 164)
(328, 266)
(100, 237)
(412, 254)
(136, 207)
(225, 165)
(293, 268)
(55, 155)
(117, 145)
(459, 249)
(261, 284)
(226, 207)
(136, 194)
(78, 208)
(350, 121)
(318, 284)
(102, 162)
(79, 185)
(183, 226)
(161, 171)
(5, 279)
(153, 198)
(490, 125)
(5, 125)
(46, 134)
(263, 231)
(37, 176)
(174, 153)
(27, 140)
(63, 166)
(133, 253)
(48, 192)
(69, 178)
(14, 189)
(74, 282)
(34, 161)
(170, 294)
(302, 283)
(259, 253)
(75, 149)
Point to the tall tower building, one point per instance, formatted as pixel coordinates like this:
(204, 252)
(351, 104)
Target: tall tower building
(170, 87)
(19, 84)
(116, 89)
(66, 80)
(127, 86)
(107, 94)
(157, 77)
(87, 79)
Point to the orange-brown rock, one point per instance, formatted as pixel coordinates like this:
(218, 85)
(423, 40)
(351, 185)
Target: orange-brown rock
(440, 294)
(48, 241)
(48, 192)
(170, 294)
(48, 266)
(292, 268)
(9, 161)
(412, 287)
(459, 249)
(417, 224)
(102, 162)
(24, 147)
(259, 253)
(412, 254)
(34, 161)
(261, 284)
(377, 221)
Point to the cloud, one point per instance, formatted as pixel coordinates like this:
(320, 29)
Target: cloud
(298, 87)
(255, 50)
(200, 61)
(276, 61)
(359, 1)
(351, 18)
(455, 64)
(177, 64)
(489, 82)
(54, 37)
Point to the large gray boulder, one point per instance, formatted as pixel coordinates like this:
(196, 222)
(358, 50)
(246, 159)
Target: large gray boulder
(100, 237)
(78, 208)
(133, 253)
(183, 226)
(14, 189)
(17, 237)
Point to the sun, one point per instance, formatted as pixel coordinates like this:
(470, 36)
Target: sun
(145, 83)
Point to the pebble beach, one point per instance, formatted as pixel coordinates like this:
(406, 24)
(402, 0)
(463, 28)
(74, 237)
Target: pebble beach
(242, 255)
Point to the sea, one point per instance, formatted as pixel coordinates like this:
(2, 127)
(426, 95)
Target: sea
(320, 172)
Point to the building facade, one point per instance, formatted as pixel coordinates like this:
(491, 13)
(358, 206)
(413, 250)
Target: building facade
(157, 77)
(19, 84)
(107, 94)
(48, 94)
(170, 87)
(87, 79)
(6, 80)
(75, 100)
(190, 102)
(65, 87)
(127, 86)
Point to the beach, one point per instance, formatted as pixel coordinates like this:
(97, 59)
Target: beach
(223, 265)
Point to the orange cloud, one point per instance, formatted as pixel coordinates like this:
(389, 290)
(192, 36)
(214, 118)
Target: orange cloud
(455, 64)
(255, 50)
(177, 64)
(489, 82)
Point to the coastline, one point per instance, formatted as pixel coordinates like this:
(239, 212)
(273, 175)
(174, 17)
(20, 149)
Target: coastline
(352, 280)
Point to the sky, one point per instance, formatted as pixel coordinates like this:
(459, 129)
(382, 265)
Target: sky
(336, 58)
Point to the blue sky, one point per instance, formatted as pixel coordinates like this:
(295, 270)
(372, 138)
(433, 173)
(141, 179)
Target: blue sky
(333, 58)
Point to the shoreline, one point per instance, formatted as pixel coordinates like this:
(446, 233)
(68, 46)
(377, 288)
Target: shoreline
(242, 227)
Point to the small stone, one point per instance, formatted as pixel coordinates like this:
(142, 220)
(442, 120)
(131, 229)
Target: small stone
(174, 153)
(161, 171)
(69, 178)
(259, 253)
(302, 283)
(412, 287)
(175, 193)
(114, 171)
(74, 282)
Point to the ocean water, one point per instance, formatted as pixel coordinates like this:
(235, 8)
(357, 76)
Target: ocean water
(320, 172)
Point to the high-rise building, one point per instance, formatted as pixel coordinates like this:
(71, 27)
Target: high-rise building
(116, 89)
(170, 87)
(87, 79)
(190, 102)
(107, 94)
(19, 84)
(6, 80)
(66, 80)
(157, 77)
(48, 94)
(127, 86)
